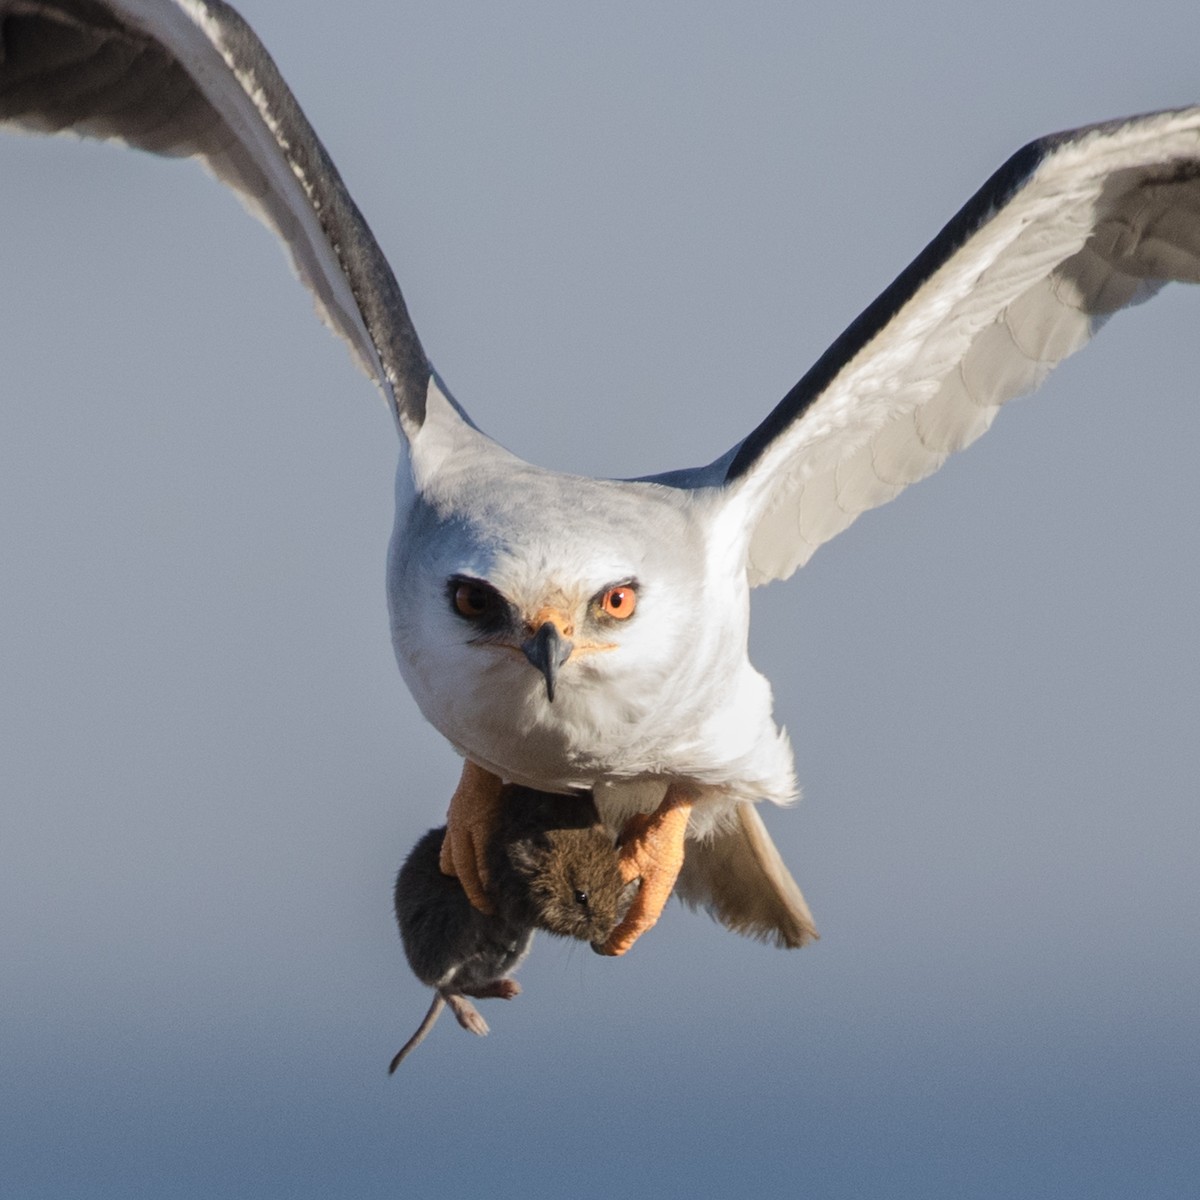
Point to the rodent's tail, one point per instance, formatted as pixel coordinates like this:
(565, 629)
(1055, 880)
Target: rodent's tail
(417, 1038)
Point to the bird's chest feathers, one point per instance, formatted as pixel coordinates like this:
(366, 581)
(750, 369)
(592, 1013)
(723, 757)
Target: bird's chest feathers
(607, 720)
(502, 718)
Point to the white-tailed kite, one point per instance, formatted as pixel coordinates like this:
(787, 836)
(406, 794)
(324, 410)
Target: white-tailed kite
(567, 633)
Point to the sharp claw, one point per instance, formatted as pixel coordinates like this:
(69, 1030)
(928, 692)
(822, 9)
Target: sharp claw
(446, 857)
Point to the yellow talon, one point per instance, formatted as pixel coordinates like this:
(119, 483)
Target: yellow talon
(470, 825)
(651, 850)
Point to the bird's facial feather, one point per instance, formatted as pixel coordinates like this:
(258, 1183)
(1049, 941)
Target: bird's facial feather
(622, 572)
(590, 622)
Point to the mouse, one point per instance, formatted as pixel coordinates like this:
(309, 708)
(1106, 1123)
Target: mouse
(553, 866)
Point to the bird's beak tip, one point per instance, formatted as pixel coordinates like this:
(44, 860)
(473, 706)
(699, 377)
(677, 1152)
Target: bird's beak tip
(548, 650)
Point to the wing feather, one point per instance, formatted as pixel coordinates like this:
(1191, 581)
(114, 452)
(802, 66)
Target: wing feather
(189, 78)
(1071, 229)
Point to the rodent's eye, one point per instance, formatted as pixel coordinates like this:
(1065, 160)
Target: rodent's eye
(581, 898)
(619, 602)
(472, 599)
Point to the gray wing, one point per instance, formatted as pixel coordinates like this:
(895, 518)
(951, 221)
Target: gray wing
(190, 78)
(738, 876)
(1072, 228)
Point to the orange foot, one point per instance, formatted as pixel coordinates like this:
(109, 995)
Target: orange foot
(470, 825)
(651, 850)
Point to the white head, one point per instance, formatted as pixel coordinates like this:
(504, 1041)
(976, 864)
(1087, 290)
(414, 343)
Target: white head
(556, 610)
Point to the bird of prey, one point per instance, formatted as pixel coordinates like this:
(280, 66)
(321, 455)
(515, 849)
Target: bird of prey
(578, 634)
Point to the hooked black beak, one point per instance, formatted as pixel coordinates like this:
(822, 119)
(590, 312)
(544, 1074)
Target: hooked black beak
(548, 650)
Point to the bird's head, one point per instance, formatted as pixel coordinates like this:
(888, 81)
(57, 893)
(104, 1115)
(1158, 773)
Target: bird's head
(538, 589)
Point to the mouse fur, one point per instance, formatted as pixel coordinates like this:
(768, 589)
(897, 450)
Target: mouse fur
(553, 866)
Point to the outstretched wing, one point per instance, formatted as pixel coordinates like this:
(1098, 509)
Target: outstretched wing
(190, 78)
(1073, 227)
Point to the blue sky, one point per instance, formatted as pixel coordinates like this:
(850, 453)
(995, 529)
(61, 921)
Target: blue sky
(623, 232)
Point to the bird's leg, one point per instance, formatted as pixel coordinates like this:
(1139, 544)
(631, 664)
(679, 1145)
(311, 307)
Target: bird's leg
(470, 825)
(651, 850)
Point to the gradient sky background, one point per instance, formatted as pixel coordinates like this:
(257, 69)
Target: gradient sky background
(624, 231)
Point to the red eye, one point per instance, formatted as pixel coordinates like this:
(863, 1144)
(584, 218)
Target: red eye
(473, 600)
(619, 602)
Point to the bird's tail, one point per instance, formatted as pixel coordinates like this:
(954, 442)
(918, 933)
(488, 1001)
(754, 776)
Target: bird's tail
(738, 876)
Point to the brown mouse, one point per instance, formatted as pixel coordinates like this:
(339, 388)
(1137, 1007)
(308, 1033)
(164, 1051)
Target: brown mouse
(553, 866)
